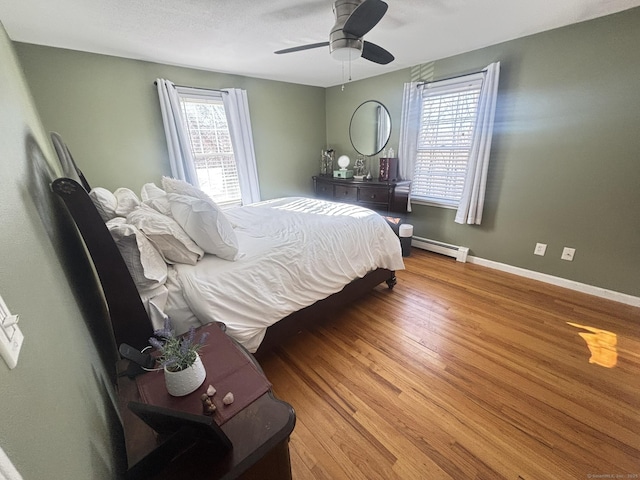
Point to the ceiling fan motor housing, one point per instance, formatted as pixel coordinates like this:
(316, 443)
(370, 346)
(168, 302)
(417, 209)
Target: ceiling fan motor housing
(342, 45)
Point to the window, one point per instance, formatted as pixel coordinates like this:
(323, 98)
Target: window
(448, 113)
(211, 145)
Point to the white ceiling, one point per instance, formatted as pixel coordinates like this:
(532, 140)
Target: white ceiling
(240, 36)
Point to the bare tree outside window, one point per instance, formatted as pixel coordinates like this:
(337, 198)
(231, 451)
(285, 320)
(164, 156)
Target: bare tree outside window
(212, 149)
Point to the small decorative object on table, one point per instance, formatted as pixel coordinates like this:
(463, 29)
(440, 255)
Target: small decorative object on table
(183, 369)
(208, 407)
(359, 169)
(388, 169)
(326, 162)
(343, 163)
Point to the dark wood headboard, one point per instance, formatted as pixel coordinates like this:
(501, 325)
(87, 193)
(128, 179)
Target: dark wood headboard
(129, 319)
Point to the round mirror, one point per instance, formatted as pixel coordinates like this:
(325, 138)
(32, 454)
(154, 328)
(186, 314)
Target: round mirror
(370, 128)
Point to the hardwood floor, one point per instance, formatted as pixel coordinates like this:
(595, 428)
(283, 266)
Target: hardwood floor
(464, 372)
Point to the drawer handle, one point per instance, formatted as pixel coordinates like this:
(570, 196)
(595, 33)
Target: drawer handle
(373, 196)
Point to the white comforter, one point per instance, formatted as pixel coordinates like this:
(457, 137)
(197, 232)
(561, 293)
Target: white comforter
(294, 251)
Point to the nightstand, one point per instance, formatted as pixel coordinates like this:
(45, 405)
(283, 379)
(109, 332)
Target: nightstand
(259, 433)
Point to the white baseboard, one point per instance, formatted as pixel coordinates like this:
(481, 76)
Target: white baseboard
(558, 281)
(461, 255)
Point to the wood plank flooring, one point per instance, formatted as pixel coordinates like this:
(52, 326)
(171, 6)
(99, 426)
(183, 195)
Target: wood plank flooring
(464, 372)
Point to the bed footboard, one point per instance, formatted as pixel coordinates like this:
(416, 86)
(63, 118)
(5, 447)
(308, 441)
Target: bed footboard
(313, 314)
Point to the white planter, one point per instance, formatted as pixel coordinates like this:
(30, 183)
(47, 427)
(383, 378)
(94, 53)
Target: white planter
(185, 381)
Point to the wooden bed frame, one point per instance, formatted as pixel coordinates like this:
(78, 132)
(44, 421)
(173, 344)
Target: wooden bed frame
(129, 320)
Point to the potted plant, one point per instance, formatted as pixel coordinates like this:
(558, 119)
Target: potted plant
(178, 355)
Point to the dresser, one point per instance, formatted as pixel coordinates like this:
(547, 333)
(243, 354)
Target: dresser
(374, 194)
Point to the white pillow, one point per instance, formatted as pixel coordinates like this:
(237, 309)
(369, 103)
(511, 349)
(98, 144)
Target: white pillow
(127, 201)
(205, 223)
(168, 237)
(150, 191)
(173, 185)
(145, 264)
(106, 202)
(156, 198)
(160, 205)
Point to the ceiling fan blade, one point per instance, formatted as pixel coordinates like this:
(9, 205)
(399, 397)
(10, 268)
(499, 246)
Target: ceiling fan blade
(376, 54)
(303, 47)
(365, 17)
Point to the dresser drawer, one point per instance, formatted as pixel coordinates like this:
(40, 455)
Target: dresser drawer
(324, 190)
(345, 193)
(376, 195)
(373, 195)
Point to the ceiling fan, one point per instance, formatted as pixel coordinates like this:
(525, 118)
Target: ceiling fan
(354, 19)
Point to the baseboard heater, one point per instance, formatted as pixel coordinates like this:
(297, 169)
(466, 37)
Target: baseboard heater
(455, 251)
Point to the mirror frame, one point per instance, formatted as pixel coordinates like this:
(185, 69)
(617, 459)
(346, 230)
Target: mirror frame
(368, 120)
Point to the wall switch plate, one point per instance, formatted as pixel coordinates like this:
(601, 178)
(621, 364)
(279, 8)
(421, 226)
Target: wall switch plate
(541, 249)
(7, 469)
(11, 337)
(568, 253)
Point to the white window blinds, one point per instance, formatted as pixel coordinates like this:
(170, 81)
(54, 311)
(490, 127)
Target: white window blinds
(447, 118)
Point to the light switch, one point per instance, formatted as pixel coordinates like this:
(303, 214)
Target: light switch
(11, 337)
(7, 470)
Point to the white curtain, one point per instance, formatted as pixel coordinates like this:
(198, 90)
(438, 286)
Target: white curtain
(178, 144)
(409, 126)
(472, 201)
(236, 107)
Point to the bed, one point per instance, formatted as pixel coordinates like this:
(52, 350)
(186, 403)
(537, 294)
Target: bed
(297, 259)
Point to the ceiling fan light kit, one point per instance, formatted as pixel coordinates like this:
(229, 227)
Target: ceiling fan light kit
(354, 18)
(346, 50)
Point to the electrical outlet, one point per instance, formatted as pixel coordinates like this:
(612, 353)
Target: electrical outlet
(568, 253)
(541, 249)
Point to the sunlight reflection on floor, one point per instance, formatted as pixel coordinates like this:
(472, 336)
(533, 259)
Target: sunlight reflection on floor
(602, 345)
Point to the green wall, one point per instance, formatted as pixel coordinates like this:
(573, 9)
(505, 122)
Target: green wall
(58, 421)
(564, 171)
(386, 89)
(107, 110)
(565, 165)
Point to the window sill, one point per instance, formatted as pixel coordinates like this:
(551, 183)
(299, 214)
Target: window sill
(428, 203)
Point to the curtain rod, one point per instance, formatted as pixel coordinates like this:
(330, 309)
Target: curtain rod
(451, 78)
(197, 88)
